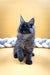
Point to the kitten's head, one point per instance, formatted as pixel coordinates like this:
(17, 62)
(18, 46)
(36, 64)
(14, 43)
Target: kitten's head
(26, 27)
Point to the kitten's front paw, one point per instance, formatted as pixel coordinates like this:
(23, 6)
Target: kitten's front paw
(21, 58)
(29, 62)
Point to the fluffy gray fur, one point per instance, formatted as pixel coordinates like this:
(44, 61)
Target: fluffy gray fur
(25, 40)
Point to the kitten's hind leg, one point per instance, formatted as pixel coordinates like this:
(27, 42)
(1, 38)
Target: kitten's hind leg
(33, 54)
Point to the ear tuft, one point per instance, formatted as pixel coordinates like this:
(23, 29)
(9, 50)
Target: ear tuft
(21, 19)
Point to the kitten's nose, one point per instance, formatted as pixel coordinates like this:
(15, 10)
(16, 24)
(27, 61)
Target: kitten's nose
(23, 31)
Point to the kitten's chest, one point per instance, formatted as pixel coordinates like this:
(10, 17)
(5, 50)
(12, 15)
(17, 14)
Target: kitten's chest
(26, 41)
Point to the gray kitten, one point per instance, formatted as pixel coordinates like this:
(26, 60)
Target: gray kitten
(25, 41)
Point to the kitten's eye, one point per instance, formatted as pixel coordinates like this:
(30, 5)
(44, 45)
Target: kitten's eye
(23, 26)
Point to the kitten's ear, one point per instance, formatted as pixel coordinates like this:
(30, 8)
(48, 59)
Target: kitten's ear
(31, 22)
(21, 20)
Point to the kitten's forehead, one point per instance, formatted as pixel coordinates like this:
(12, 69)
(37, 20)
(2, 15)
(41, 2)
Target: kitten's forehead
(24, 23)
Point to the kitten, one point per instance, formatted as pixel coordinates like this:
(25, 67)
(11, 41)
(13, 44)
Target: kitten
(25, 41)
